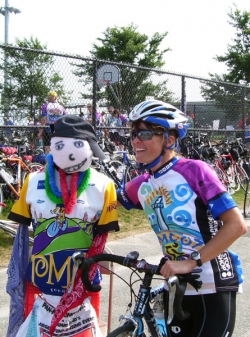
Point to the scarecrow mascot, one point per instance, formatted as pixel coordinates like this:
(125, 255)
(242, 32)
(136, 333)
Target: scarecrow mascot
(72, 207)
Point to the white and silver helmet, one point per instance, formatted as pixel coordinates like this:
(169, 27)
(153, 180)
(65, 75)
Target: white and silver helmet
(160, 113)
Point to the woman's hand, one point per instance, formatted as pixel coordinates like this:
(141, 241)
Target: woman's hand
(177, 267)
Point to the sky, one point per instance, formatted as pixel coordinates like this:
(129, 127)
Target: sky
(198, 30)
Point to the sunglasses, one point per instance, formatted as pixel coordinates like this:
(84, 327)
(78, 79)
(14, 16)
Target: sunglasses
(143, 135)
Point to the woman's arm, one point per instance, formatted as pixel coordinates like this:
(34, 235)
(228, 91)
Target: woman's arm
(233, 227)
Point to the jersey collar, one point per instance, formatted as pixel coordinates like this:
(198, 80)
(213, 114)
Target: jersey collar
(166, 167)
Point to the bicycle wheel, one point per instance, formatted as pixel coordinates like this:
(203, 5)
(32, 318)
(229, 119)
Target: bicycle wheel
(118, 167)
(130, 173)
(226, 181)
(247, 201)
(1, 199)
(33, 168)
(241, 176)
(125, 330)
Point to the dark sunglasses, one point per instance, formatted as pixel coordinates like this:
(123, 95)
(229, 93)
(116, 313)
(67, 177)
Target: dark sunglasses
(144, 134)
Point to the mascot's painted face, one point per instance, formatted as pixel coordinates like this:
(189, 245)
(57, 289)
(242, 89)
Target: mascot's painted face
(71, 154)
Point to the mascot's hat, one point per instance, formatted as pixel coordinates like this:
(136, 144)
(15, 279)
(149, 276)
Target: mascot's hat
(70, 126)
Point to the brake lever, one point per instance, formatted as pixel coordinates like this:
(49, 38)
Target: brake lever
(76, 265)
(173, 284)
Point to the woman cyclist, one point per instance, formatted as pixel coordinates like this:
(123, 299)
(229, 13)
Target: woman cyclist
(193, 216)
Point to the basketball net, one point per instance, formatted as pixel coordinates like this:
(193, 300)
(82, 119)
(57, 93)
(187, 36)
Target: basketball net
(102, 83)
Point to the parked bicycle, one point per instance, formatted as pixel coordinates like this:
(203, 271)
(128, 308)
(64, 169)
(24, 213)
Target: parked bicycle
(11, 228)
(128, 168)
(246, 209)
(13, 181)
(144, 313)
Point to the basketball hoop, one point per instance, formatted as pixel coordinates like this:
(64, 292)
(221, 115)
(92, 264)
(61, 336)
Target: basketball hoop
(101, 83)
(107, 74)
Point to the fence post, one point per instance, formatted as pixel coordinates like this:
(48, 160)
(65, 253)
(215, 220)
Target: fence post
(183, 95)
(94, 94)
(243, 105)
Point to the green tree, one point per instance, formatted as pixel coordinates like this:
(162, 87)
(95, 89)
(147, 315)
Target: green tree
(237, 60)
(29, 75)
(126, 46)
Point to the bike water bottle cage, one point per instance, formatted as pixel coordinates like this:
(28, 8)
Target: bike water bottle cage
(143, 135)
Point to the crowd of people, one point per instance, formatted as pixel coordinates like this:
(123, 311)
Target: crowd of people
(72, 207)
(113, 119)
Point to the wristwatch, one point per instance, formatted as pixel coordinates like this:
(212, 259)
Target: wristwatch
(197, 257)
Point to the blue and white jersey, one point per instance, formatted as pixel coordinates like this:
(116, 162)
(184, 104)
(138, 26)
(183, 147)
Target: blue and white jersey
(183, 201)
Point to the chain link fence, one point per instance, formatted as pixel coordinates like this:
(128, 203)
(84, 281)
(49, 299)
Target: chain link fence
(26, 75)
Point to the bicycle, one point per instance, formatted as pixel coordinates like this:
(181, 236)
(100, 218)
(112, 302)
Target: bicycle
(14, 181)
(109, 168)
(127, 170)
(246, 209)
(11, 227)
(144, 314)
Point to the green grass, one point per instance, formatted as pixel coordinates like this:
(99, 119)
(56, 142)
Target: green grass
(239, 198)
(131, 223)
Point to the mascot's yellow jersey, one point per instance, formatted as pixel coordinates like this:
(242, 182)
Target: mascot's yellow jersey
(58, 235)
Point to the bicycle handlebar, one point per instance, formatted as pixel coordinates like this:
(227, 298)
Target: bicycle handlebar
(176, 284)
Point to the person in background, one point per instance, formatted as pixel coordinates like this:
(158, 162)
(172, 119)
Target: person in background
(104, 122)
(89, 118)
(243, 122)
(51, 111)
(8, 131)
(117, 120)
(190, 119)
(194, 217)
(110, 111)
(72, 207)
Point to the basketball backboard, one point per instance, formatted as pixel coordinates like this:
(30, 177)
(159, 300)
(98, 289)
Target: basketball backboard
(107, 74)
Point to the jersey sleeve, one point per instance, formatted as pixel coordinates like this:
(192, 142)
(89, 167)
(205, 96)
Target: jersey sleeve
(128, 196)
(109, 217)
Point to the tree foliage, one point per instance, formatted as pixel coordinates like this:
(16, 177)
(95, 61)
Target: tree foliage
(126, 46)
(237, 60)
(29, 75)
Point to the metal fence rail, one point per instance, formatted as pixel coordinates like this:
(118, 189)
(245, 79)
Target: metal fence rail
(79, 80)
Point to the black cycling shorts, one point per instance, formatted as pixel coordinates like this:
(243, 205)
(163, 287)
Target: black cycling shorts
(211, 315)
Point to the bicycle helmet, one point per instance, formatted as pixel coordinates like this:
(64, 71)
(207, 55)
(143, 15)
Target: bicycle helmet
(162, 114)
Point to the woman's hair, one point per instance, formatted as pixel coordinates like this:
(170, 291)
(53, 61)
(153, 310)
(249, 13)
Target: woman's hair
(116, 111)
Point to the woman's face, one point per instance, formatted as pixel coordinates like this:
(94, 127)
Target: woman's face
(148, 150)
(52, 99)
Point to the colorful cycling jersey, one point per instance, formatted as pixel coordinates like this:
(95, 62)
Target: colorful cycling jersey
(52, 111)
(182, 201)
(58, 235)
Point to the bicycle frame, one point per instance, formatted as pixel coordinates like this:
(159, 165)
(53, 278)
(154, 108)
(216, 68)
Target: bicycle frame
(142, 309)
(20, 165)
(127, 167)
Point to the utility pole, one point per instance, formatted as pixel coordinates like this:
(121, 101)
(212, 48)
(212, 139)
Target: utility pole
(5, 11)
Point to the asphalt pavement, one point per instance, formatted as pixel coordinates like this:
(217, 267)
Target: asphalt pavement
(149, 249)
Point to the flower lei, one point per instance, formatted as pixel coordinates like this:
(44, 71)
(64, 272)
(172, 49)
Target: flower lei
(79, 182)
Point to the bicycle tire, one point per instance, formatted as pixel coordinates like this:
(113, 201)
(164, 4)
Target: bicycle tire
(1, 199)
(130, 173)
(33, 167)
(241, 177)
(246, 210)
(125, 330)
(230, 186)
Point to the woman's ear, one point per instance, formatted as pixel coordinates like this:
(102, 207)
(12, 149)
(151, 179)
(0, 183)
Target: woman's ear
(170, 141)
